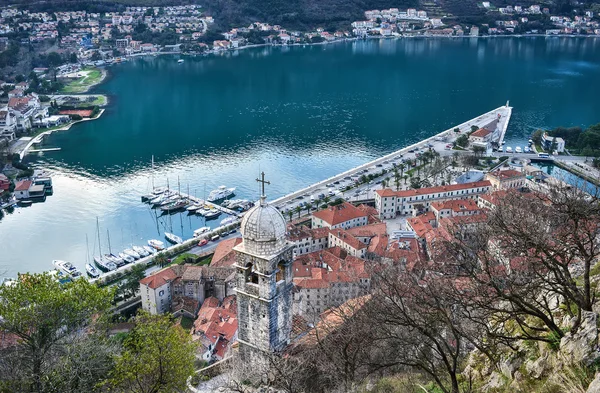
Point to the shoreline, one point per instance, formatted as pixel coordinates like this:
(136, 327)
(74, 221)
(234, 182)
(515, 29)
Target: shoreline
(352, 39)
(40, 137)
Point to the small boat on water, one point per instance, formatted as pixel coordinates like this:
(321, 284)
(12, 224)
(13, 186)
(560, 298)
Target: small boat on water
(526, 149)
(212, 214)
(171, 237)
(518, 149)
(229, 220)
(200, 231)
(192, 208)
(220, 194)
(67, 268)
(141, 251)
(174, 206)
(509, 149)
(91, 270)
(150, 250)
(25, 202)
(203, 211)
(501, 149)
(104, 265)
(180, 61)
(156, 244)
(126, 258)
(132, 253)
(114, 259)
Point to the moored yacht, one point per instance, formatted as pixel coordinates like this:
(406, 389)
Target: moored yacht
(91, 270)
(140, 250)
(229, 220)
(67, 268)
(150, 250)
(518, 149)
(200, 231)
(126, 258)
(156, 244)
(132, 253)
(104, 264)
(220, 193)
(212, 214)
(509, 149)
(171, 237)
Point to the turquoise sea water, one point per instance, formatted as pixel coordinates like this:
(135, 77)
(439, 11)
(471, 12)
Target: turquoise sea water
(300, 114)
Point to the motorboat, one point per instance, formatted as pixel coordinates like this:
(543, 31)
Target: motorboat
(104, 264)
(531, 141)
(150, 250)
(229, 220)
(501, 149)
(92, 271)
(200, 231)
(518, 149)
(171, 237)
(220, 193)
(67, 268)
(203, 211)
(140, 250)
(156, 244)
(180, 61)
(526, 149)
(509, 149)
(212, 214)
(132, 253)
(193, 207)
(126, 258)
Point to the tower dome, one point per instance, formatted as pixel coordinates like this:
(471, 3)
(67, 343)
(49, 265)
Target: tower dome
(263, 230)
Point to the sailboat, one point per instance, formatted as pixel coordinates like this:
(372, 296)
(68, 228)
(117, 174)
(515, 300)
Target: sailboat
(102, 263)
(89, 268)
(110, 256)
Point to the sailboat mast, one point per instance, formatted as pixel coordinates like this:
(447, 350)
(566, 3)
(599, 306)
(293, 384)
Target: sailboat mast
(152, 173)
(98, 230)
(108, 237)
(87, 249)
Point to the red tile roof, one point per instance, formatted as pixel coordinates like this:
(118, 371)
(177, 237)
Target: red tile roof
(456, 205)
(347, 238)
(335, 215)
(480, 133)
(368, 230)
(506, 174)
(159, 279)
(23, 185)
(224, 255)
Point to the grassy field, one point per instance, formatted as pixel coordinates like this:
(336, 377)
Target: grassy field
(81, 85)
(98, 101)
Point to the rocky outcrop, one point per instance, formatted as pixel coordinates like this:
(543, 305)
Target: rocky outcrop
(594, 387)
(582, 346)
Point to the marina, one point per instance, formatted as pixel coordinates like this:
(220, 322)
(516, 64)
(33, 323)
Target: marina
(298, 136)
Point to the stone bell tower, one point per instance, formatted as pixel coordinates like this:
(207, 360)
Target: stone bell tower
(264, 282)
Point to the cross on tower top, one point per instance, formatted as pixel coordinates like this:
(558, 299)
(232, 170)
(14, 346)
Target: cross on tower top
(263, 181)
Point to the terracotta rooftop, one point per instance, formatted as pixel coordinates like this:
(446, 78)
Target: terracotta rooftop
(23, 185)
(456, 205)
(506, 174)
(368, 230)
(335, 215)
(159, 279)
(482, 132)
(347, 238)
(432, 190)
(224, 255)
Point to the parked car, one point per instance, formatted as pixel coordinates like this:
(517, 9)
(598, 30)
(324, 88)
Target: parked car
(202, 242)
